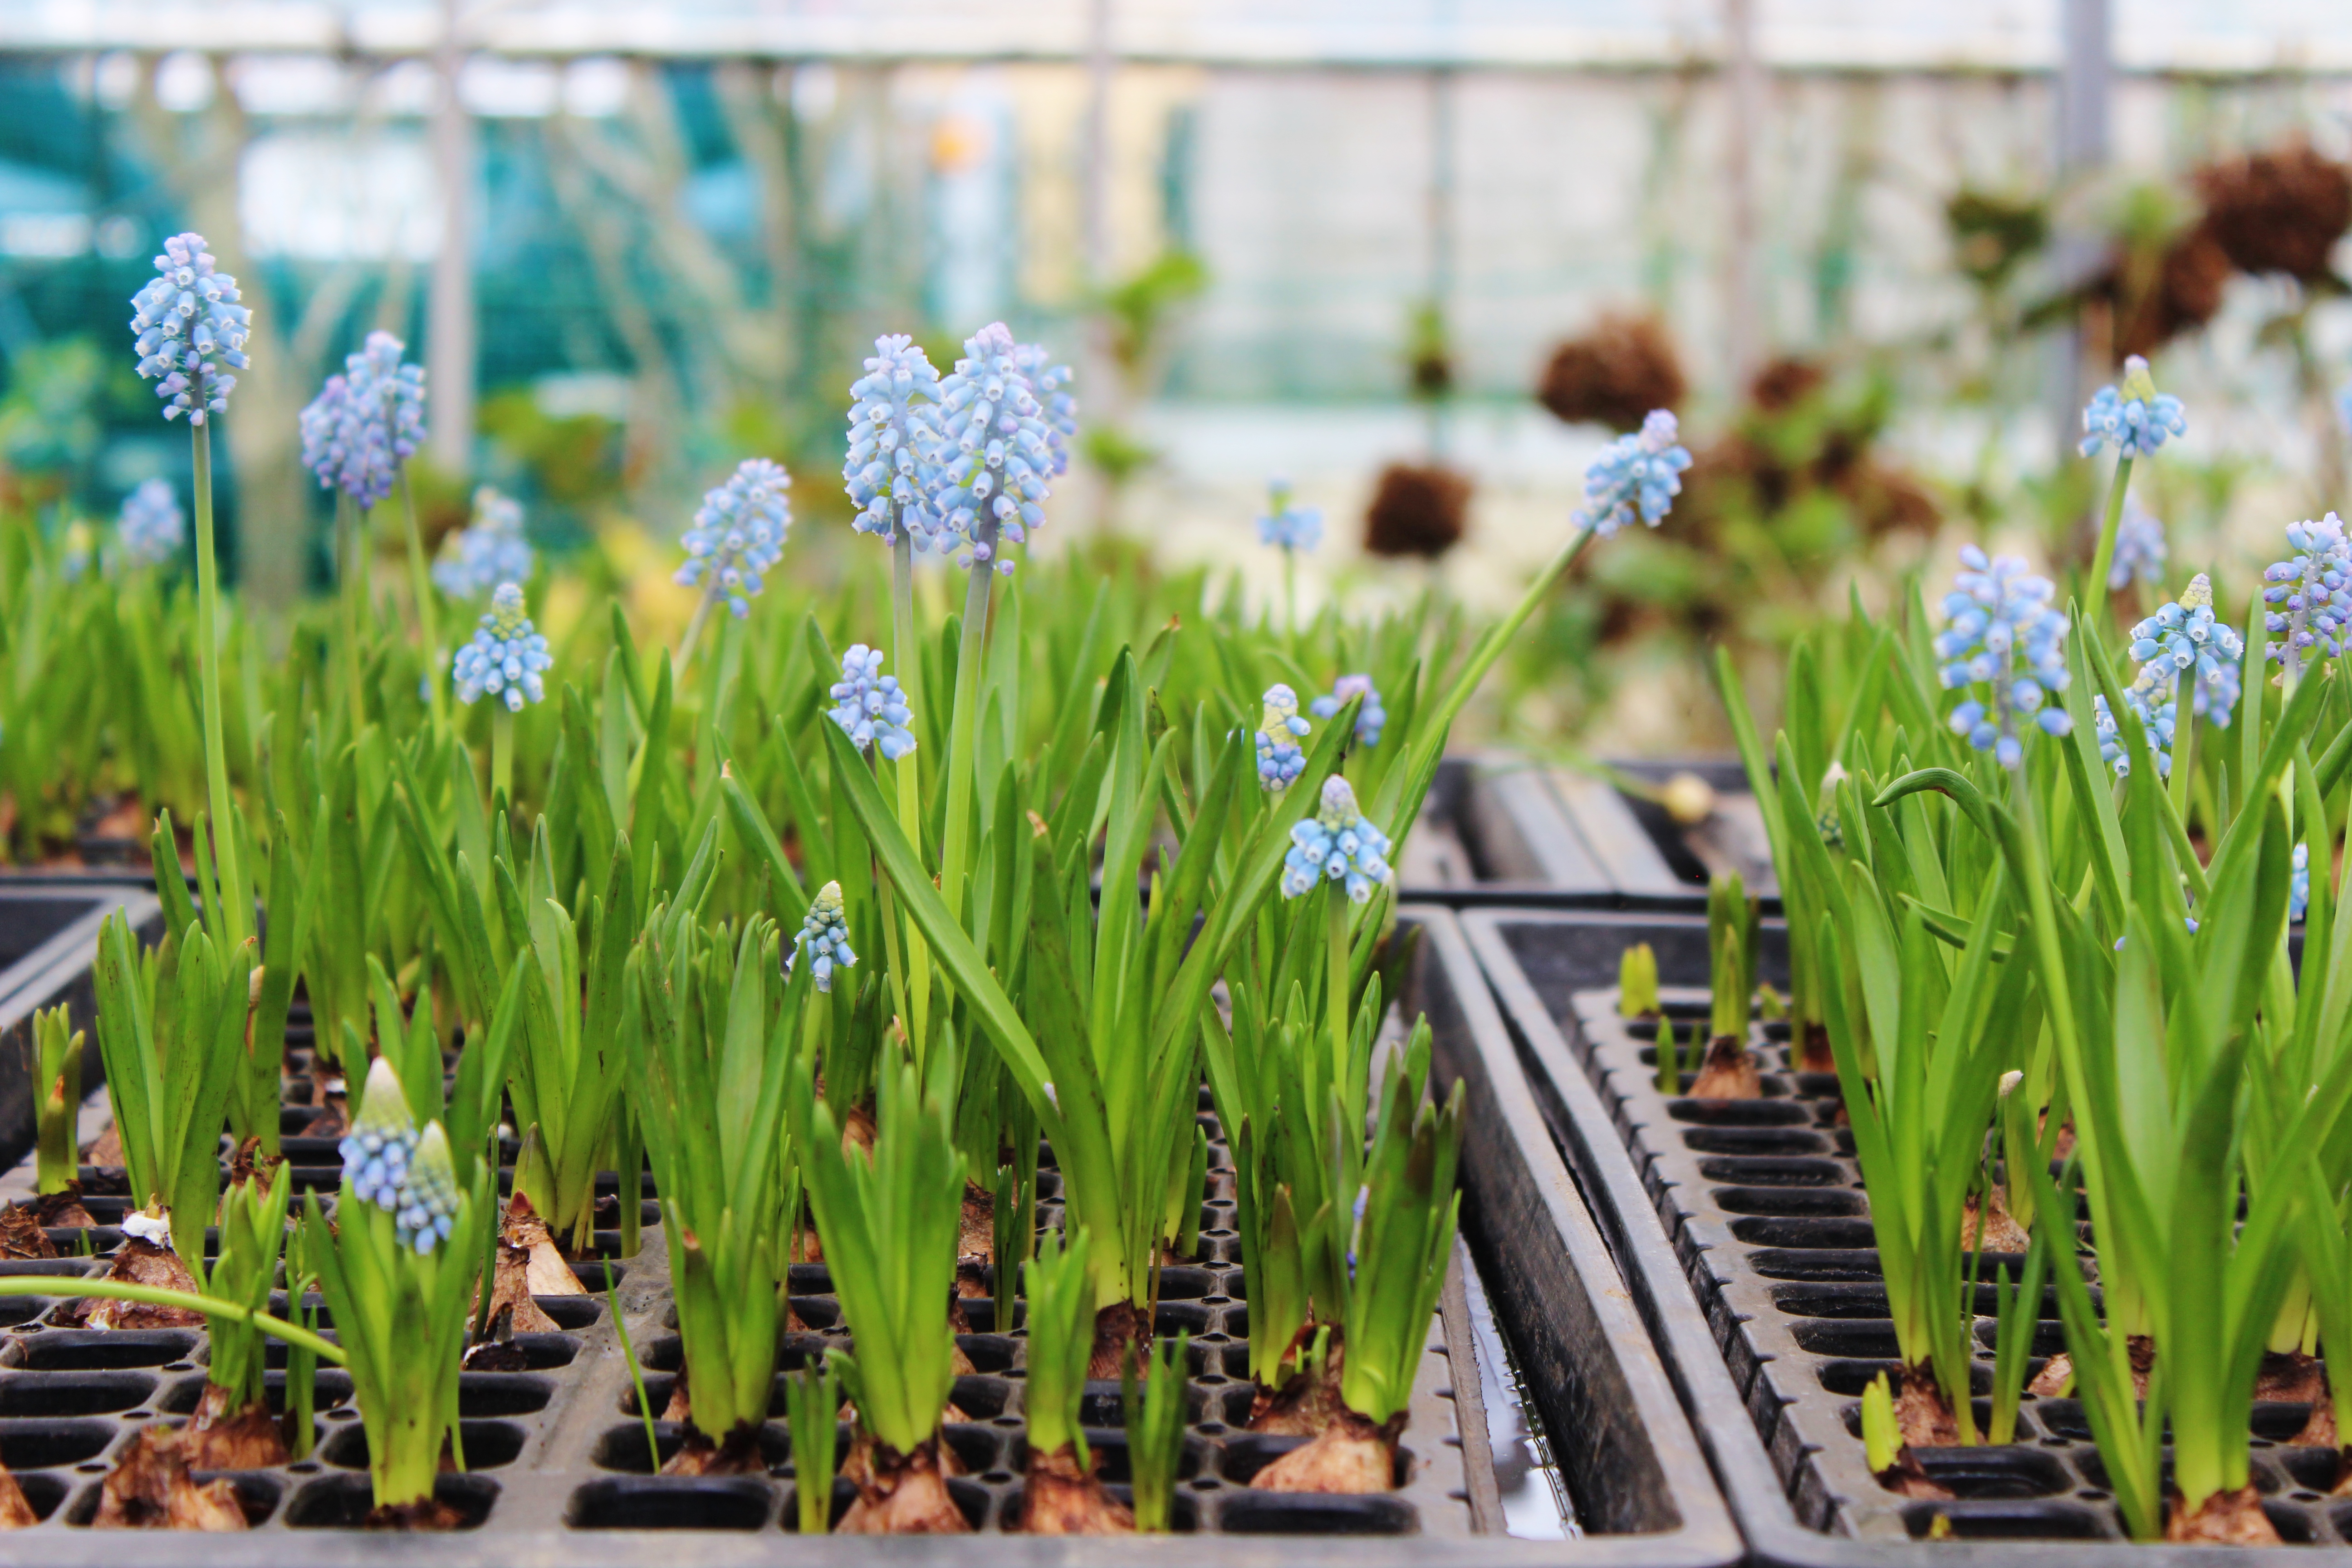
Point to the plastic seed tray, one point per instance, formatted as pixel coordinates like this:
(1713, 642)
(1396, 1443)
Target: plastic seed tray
(558, 1462)
(1745, 1231)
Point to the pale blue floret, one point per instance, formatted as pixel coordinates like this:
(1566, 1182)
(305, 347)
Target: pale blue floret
(869, 706)
(476, 560)
(2132, 417)
(1280, 760)
(507, 657)
(1371, 718)
(824, 934)
(1634, 476)
(996, 452)
(2298, 892)
(894, 439)
(1337, 845)
(1297, 529)
(190, 331)
(2140, 548)
(738, 534)
(2310, 594)
(2151, 702)
(150, 527)
(2001, 633)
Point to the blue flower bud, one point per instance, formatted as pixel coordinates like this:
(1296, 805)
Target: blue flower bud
(2133, 418)
(190, 331)
(738, 534)
(507, 658)
(1634, 475)
(868, 705)
(474, 560)
(150, 527)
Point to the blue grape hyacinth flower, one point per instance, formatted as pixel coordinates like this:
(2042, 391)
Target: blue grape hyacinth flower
(507, 658)
(474, 560)
(365, 422)
(1337, 845)
(1634, 476)
(2132, 417)
(1371, 718)
(825, 934)
(869, 706)
(894, 438)
(2140, 548)
(1280, 760)
(398, 1169)
(2187, 637)
(150, 527)
(996, 453)
(1285, 526)
(190, 331)
(2001, 633)
(738, 533)
(2310, 593)
(2298, 888)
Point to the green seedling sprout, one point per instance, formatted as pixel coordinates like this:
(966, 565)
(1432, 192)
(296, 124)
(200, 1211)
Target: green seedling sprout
(1670, 1065)
(1882, 1440)
(1063, 1495)
(232, 1424)
(398, 1271)
(1155, 1430)
(1726, 1070)
(57, 1102)
(1637, 982)
(711, 1038)
(813, 1406)
(171, 1028)
(889, 1221)
(636, 1372)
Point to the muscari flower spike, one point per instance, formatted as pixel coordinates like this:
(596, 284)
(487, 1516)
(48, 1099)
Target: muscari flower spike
(2311, 592)
(2140, 549)
(1280, 760)
(151, 526)
(1371, 718)
(1337, 845)
(2132, 417)
(869, 706)
(391, 1165)
(2298, 889)
(507, 657)
(893, 441)
(738, 533)
(824, 932)
(1296, 528)
(474, 560)
(2001, 632)
(365, 422)
(1634, 475)
(996, 452)
(2188, 638)
(190, 331)
(2151, 701)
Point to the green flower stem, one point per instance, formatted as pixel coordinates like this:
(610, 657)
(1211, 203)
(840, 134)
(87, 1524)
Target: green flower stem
(157, 1296)
(1290, 592)
(501, 756)
(1335, 895)
(694, 627)
(236, 914)
(963, 737)
(1421, 769)
(420, 585)
(351, 532)
(907, 649)
(2105, 558)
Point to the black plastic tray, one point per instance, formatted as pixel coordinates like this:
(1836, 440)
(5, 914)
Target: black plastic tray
(571, 1483)
(1746, 1239)
(1507, 831)
(49, 941)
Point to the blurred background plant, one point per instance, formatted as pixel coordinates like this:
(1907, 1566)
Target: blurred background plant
(627, 267)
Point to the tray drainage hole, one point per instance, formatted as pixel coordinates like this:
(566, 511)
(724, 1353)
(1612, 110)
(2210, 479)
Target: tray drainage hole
(182, 1366)
(138, 1414)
